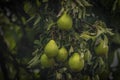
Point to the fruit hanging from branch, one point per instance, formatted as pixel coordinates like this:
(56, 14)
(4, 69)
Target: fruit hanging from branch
(76, 62)
(51, 49)
(62, 55)
(65, 22)
(101, 46)
(46, 62)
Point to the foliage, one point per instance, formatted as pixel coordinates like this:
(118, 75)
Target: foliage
(26, 27)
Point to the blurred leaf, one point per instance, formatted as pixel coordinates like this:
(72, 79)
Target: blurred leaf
(44, 0)
(23, 20)
(96, 77)
(80, 14)
(31, 18)
(86, 77)
(30, 34)
(1, 75)
(85, 3)
(34, 61)
(10, 41)
(58, 76)
(29, 8)
(114, 5)
(84, 13)
(71, 49)
(50, 25)
(4, 19)
(69, 76)
(37, 20)
(87, 56)
(116, 38)
(77, 36)
(37, 73)
(86, 36)
(80, 3)
(38, 3)
(115, 61)
(37, 42)
(35, 52)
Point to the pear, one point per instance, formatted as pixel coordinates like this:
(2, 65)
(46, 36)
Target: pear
(76, 63)
(62, 55)
(46, 62)
(65, 22)
(51, 49)
(102, 48)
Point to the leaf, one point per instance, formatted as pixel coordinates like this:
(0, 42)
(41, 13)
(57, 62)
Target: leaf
(31, 18)
(37, 20)
(114, 5)
(12, 35)
(10, 39)
(109, 31)
(96, 77)
(35, 61)
(69, 76)
(58, 76)
(38, 3)
(50, 25)
(76, 36)
(80, 14)
(85, 3)
(80, 3)
(84, 12)
(86, 36)
(71, 49)
(27, 6)
(35, 52)
(44, 0)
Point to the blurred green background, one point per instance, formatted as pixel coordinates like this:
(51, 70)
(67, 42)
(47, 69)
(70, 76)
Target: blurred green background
(27, 25)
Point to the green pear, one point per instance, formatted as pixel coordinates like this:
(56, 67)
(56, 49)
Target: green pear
(62, 55)
(51, 49)
(46, 62)
(102, 48)
(65, 22)
(76, 63)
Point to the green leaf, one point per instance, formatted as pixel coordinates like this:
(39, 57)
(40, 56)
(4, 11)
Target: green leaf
(116, 38)
(58, 76)
(37, 20)
(35, 61)
(44, 0)
(50, 25)
(38, 3)
(84, 12)
(85, 3)
(12, 35)
(31, 18)
(27, 6)
(114, 5)
(35, 52)
(71, 49)
(80, 3)
(86, 36)
(80, 14)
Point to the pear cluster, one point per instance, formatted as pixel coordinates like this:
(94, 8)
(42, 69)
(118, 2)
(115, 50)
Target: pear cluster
(52, 55)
